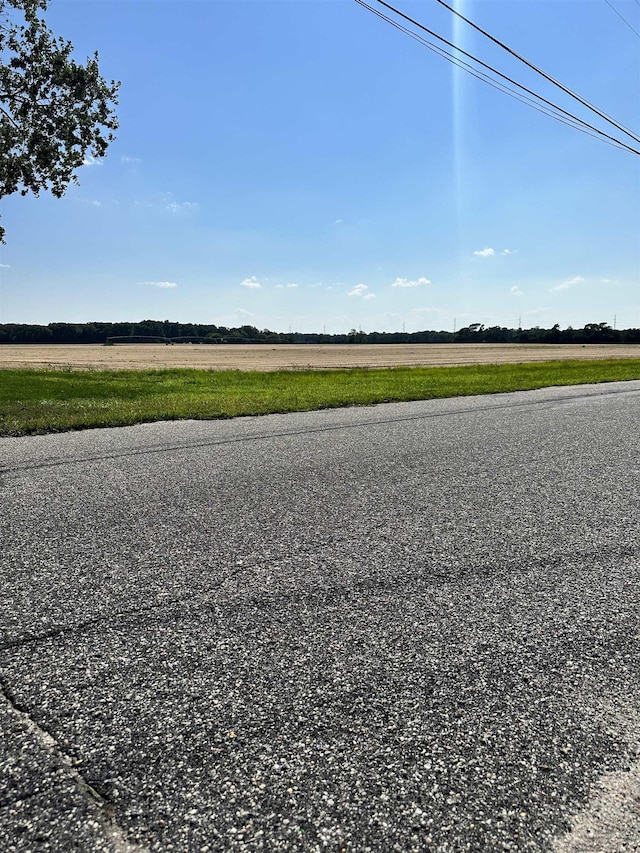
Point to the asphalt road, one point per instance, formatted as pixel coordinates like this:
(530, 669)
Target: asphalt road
(408, 627)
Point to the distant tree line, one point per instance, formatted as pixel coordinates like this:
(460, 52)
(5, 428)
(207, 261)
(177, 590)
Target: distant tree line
(159, 331)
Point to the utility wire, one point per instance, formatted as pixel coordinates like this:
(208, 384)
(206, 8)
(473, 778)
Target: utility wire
(622, 18)
(536, 69)
(552, 111)
(600, 133)
(485, 78)
(525, 61)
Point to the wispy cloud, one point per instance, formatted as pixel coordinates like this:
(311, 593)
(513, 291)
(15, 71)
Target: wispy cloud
(485, 253)
(130, 161)
(88, 202)
(410, 282)
(91, 161)
(238, 317)
(165, 285)
(359, 290)
(569, 282)
(168, 203)
(515, 290)
(293, 284)
(5, 266)
(175, 207)
(252, 283)
(508, 251)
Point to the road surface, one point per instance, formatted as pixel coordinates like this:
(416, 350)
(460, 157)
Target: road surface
(408, 627)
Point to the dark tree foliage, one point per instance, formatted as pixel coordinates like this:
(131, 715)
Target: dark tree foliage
(54, 111)
(165, 331)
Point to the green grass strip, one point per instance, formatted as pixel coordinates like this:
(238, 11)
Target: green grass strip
(41, 401)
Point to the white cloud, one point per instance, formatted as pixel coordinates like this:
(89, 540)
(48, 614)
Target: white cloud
(91, 161)
(488, 252)
(338, 221)
(88, 202)
(370, 296)
(166, 201)
(515, 290)
(161, 284)
(569, 282)
(5, 266)
(358, 290)
(252, 283)
(414, 282)
(293, 284)
(237, 317)
(129, 160)
(180, 206)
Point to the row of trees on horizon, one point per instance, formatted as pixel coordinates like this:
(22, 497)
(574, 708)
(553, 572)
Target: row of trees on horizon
(165, 331)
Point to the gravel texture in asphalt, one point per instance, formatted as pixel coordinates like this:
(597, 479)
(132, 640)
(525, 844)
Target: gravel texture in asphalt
(408, 627)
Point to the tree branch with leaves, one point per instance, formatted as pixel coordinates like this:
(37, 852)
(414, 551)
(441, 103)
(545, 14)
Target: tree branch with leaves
(54, 111)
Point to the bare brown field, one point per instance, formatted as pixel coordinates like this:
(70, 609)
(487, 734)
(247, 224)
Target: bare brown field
(295, 356)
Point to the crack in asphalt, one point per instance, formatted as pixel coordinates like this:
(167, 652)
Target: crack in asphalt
(305, 581)
(122, 615)
(203, 600)
(112, 832)
(99, 457)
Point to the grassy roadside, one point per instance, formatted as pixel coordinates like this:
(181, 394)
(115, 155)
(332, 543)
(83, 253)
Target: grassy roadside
(40, 401)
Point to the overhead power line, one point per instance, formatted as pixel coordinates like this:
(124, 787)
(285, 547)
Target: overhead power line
(541, 104)
(535, 68)
(547, 109)
(622, 17)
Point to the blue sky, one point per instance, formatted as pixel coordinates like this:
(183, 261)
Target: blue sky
(300, 163)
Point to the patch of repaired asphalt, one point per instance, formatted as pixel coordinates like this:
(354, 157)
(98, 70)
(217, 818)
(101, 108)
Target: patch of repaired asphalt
(610, 819)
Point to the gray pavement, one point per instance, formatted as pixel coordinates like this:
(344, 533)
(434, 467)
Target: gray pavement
(408, 627)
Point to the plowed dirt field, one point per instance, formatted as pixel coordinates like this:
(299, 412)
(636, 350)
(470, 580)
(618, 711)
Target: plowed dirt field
(295, 356)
